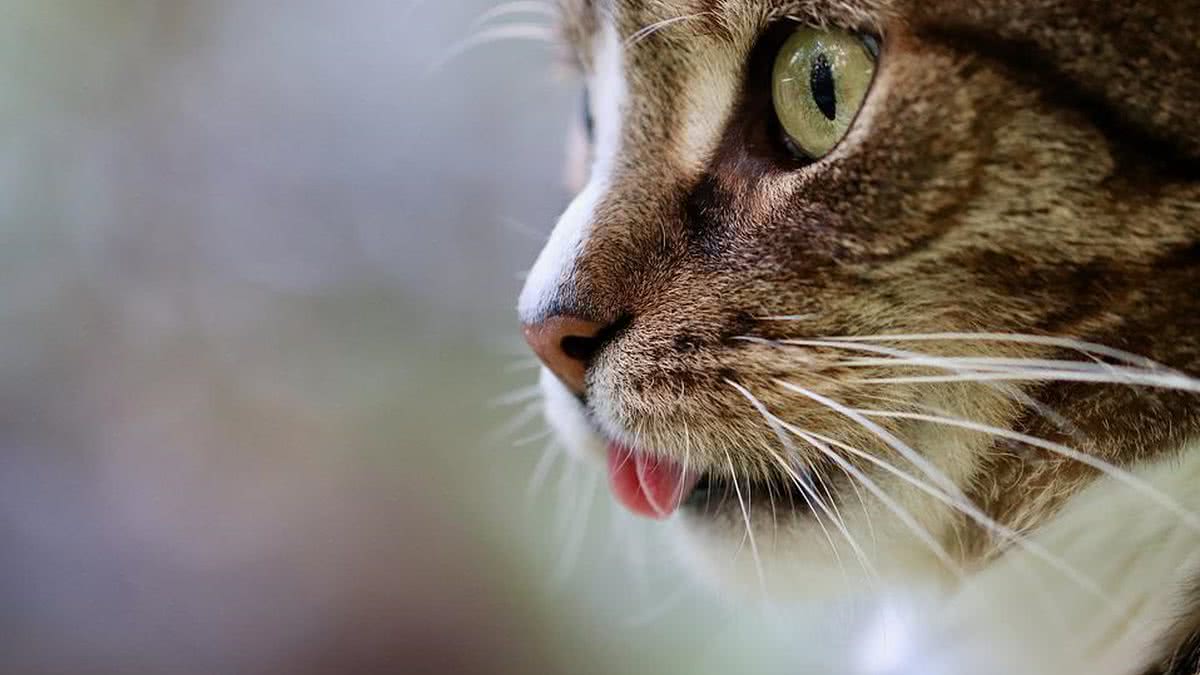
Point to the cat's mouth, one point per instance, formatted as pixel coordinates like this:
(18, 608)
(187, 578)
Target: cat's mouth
(656, 487)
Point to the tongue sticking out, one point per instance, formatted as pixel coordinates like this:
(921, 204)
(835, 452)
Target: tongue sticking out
(648, 486)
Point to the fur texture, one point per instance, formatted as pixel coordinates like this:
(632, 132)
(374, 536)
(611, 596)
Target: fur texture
(1020, 167)
(1020, 616)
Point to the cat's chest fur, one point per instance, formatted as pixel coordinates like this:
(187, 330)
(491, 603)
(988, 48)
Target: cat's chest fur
(1111, 586)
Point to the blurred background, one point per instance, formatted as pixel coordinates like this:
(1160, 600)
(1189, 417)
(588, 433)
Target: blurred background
(263, 404)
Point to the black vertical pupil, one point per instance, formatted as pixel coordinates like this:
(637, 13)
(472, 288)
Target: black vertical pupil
(820, 82)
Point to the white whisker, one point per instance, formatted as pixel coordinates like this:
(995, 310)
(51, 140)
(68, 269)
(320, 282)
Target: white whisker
(520, 32)
(541, 470)
(524, 230)
(516, 396)
(1020, 338)
(523, 364)
(577, 531)
(566, 489)
(1107, 468)
(1123, 376)
(749, 530)
(985, 363)
(970, 510)
(952, 496)
(901, 355)
(806, 489)
(518, 422)
(892, 505)
(514, 8)
(887, 437)
(656, 612)
(655, 27)
(532, 438)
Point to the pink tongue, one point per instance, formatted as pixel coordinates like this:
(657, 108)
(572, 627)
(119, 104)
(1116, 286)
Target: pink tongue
(647, 485)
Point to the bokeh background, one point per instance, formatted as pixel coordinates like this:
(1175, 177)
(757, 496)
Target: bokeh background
(263, 404)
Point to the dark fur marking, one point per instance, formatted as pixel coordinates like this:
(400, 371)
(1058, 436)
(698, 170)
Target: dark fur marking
(1185, 661)
(701, 217)
(686, 344)
(1144, 159)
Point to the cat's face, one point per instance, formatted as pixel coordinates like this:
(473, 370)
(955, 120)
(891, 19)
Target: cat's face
(1012, 168)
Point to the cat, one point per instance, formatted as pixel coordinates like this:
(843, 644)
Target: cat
(901, 297)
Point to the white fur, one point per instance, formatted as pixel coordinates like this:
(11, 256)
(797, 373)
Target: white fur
(566, 417)
(1020, 616)
(553, 266)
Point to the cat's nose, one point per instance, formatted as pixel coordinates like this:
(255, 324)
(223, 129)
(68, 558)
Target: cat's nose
(566, 345)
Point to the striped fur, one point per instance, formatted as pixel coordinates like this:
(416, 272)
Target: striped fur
(1021, 167)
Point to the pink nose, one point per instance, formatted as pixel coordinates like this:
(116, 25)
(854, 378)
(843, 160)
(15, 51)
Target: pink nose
(565, 344)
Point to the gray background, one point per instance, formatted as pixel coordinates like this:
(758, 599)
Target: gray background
(259, 265)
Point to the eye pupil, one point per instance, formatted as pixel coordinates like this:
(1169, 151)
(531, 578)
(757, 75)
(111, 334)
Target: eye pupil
(821, 84)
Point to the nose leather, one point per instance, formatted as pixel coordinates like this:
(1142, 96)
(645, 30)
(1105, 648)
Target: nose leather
(565, 344)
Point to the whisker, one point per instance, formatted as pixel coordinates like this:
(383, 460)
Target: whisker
(1124, 376)
(1006, 390)
(513, 8)
(520, 365)
(519, 32)
(576, 534)
(687, 459)
(997, 369)
(541, 470)
(647, 31)
(518, 422)
(1021, 338)
(774, 515)
(656, 612)
(985, 363)
(887, 437)
(818, 506)
(566, 480)
(959, 364)
(524, 230)
(970, 510)
(532, 438)
(900, 512)
(953, 496)
(1109, 469)
(749, 530)
(516, 396)
(806, 490)
(840, 520)
(863, 503)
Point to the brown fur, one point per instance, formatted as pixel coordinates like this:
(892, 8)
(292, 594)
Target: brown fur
(1026, 166)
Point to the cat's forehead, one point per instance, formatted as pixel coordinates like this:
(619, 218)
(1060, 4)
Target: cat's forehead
(634, 19)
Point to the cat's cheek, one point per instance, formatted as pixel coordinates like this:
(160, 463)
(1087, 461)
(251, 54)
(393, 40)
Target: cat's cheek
(569, 422)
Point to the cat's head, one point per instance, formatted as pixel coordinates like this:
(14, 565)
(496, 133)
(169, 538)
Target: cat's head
(822, 273)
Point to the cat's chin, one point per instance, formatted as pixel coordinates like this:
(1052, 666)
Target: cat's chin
(797, 557)
(794, 553)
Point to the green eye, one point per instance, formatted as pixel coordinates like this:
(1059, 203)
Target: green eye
(820, 80)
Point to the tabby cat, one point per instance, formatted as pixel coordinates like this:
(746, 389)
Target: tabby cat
(869, 296)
